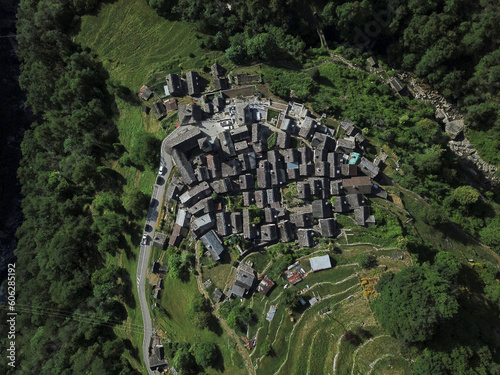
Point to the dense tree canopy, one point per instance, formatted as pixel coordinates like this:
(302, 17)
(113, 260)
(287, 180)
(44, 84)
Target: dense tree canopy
(417, 299)
(73, 213)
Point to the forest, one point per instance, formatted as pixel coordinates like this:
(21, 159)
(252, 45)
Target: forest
(76, 210)
(453, 44)
(69, 300)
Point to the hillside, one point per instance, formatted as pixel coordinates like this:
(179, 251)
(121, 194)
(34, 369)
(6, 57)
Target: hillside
(89, 167)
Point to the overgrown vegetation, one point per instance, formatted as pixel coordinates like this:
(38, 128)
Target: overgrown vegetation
(428, 316)
(74, 217)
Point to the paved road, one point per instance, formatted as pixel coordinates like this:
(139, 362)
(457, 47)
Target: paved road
(145, 251)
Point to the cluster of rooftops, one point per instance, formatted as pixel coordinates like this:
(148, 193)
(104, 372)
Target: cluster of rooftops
(237, 162)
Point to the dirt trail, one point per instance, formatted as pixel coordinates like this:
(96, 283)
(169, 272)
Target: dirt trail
(239, 347)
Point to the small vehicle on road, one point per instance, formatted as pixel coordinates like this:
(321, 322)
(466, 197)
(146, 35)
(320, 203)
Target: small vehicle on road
(161, 170)
(144, 239)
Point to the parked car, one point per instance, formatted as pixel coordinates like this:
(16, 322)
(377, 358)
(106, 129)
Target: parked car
(144, 239)
(162, 169)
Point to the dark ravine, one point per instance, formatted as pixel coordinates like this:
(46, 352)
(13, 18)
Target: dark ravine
(15, 118)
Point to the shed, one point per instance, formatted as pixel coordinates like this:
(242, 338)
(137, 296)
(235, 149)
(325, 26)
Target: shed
(320, 263)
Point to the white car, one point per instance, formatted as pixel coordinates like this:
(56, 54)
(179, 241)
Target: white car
(162, 169)
(144, 239)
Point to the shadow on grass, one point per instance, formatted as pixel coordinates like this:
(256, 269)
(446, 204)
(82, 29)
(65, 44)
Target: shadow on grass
(128, 298)
(134, 352)
(214, 325)
(219, 361)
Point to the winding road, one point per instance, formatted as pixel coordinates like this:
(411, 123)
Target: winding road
(145, 250)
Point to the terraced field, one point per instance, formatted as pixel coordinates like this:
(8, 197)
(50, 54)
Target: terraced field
(313, 342)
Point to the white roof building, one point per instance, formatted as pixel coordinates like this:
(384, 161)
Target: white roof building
(320, 263)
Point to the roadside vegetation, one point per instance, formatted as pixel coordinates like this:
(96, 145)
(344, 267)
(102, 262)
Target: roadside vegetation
(90, 161)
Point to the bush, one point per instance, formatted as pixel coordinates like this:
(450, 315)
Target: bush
(366, 260)
(352, 338)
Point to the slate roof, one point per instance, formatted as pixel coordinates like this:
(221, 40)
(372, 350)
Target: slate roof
(218, 103)
(283, 140)
(223, 220)
(368, 168)
(202, 173)
(336, 187)
(322, 141)
(174, 84)
(195, 194)
(248, 198)
(303, 190)
(204, 206)
(246, 181)
(145, 93)
(249, 230)
(285, 230)
(396, 84)
(345, 146)
(322, 169)
(292, 174)
(189, 114)
(268, 232)
(263, 177)
(193, 83)
(213, 244)
(236, 222)
(159, 110)
(327, 227)
(174, 189)
(305, 155)
(291, 155)
(357, 185)
(261, 198)
(321, 208)
(160, 240)
(241, 147)
(302, 220)
(202, 224)
(222, 186)
(341, 205)
(226, 144)
(306, 170)
(243, 115)
(348, 126)
(240, 133)
(245, 278)
(186, 139)
(307, 128)
(305, 237)
(185, 169)
(213, 165)
(355, 200)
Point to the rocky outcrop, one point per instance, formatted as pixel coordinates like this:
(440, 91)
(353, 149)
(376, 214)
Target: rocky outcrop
(448, 115)
(472, 162)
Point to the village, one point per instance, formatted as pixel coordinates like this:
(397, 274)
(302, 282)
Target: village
(263, 171)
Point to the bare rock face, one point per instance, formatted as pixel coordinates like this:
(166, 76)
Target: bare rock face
(441, 115)
(454, 128)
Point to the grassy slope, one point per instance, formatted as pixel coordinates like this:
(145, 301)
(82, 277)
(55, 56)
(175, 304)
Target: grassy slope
(137, 47)
(179, 328)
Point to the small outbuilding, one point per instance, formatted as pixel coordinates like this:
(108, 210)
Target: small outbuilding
(320, 263)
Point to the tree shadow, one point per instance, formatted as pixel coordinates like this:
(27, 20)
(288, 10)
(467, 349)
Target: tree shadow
(134, 351)
(128, 298)
(214, 326)
(219, 361)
